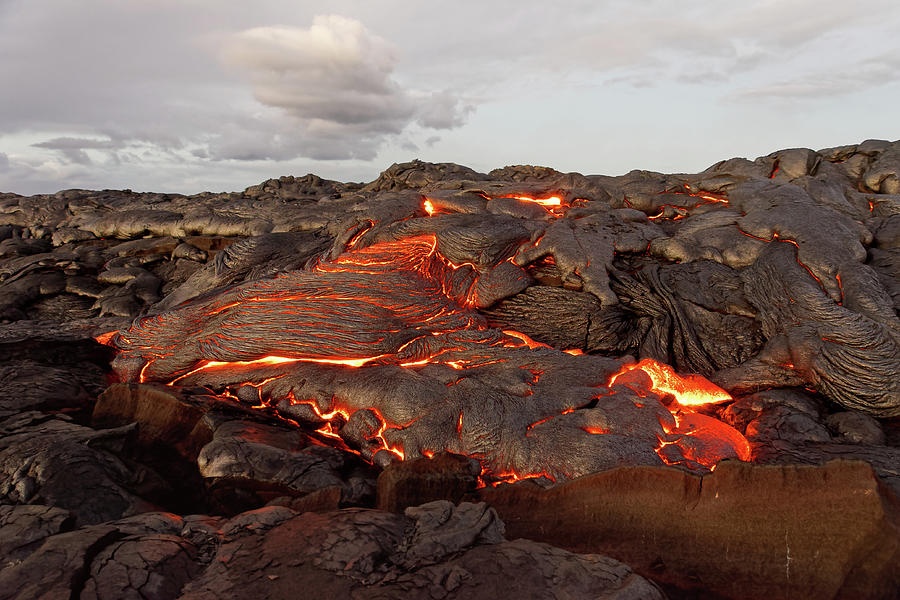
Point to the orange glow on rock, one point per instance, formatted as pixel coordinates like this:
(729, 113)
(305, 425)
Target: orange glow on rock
(553, 204)
(104, 338)
(689, 390)
(428, 206)
(707, 440)
(358, 235)
(512, 477)
(595, 430)
(710, 198)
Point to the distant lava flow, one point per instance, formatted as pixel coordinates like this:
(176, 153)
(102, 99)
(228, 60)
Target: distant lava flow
(554, 205)
(550, 202)
(382, 352)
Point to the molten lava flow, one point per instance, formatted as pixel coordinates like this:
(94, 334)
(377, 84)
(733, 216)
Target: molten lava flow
(689, 390)
(698, 438)
(339, 416)
(680, 212)
(553, 204)
(363, 231)
(274, 360)
(706, 440)
(378, 341)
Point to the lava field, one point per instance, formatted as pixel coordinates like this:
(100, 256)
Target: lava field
(453, 384)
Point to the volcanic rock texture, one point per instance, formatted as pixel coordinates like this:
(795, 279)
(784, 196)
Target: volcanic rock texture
(264, 354)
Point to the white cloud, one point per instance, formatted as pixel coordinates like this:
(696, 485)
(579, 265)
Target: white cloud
(443, 110)
(334, 82)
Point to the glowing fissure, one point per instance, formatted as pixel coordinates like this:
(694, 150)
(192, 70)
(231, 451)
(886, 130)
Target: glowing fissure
(710, 198)
(267, 361)
(700, 438)
(330, 430)
(682, 211)
(777, 238)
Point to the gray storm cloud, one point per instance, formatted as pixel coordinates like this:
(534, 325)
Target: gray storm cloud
(334, 82)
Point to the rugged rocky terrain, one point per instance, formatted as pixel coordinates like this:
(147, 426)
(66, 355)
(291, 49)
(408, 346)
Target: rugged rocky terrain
(426, 386)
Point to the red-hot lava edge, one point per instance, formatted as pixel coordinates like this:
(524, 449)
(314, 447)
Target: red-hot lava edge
(433, 297)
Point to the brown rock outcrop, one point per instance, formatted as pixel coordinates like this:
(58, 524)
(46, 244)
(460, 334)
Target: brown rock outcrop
(743, 531)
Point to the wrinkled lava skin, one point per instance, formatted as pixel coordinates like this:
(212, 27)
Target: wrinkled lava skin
(385, 338)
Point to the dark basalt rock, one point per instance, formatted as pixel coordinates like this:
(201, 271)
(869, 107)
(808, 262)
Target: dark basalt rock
(149, 556)
(49, 460)
(790, 415)
(245, 462)
(438, 550)
(24, 527)
(31, 385)
(856, 428)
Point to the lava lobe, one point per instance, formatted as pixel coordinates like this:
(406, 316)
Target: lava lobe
(381, 351)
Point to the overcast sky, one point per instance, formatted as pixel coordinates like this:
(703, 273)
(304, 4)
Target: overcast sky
(194, 95)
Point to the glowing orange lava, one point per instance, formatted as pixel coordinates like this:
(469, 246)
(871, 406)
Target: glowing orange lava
(554, 204)
(689, 390)
(705, 440)
(104, 338)
(267, 361)
(545, 202)
(330, 428)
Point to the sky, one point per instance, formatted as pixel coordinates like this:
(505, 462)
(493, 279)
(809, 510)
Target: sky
(204, 95)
